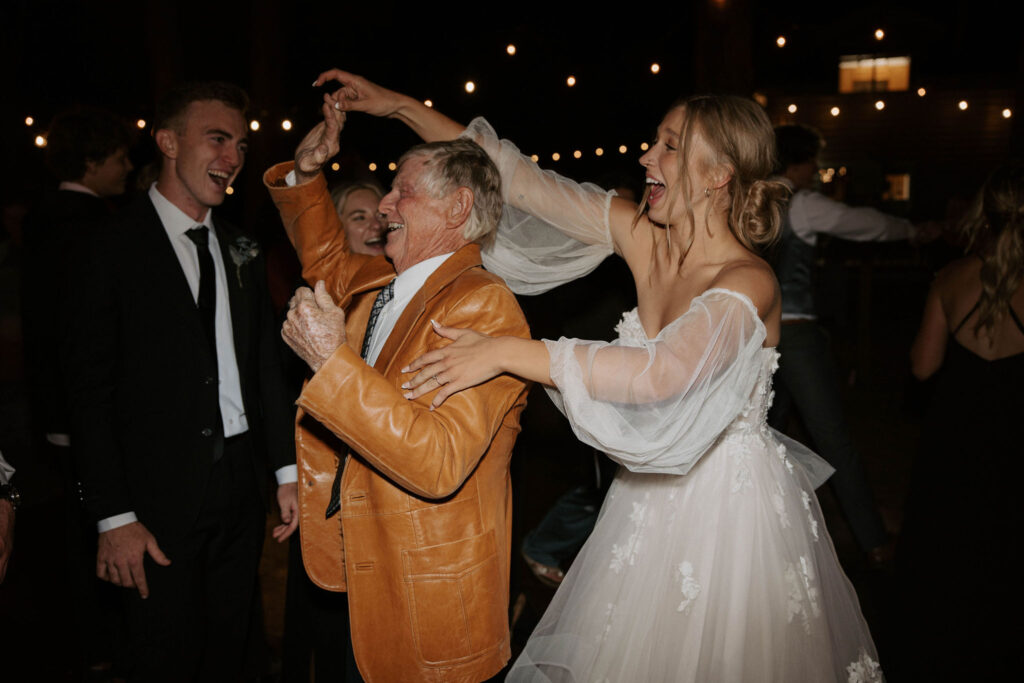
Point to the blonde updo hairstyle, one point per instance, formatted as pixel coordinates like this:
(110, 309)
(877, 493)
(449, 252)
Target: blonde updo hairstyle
(994, 227)
(741, 140)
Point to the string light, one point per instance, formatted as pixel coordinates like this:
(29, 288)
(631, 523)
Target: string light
(286, 125)
(962, 104)
(335, 166)
(392, 166)
(781, 41)
(254, 125)
(40, 141)
(556, 156)
(140, 124)
(29, 120)
(622, 149)
(600, 151)
(880, 105)
(428, 103)
(655, 68)
(229, 190)
(373, 166)
(921, 92)
(834, 111)
(879, 34)
(534, 158)
(511, 49)
(1007, 113)
(570, 81)
(470, 86)
(644, 146)
(577, 154)
(791, 109)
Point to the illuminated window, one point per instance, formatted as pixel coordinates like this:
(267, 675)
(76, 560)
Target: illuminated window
(863, 73)
(898, 189)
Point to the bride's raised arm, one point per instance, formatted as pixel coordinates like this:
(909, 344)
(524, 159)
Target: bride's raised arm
(583, 212)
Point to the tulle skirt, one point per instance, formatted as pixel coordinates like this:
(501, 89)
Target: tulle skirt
(724, 574)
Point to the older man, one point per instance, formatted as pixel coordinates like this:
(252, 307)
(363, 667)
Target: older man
(421, 544)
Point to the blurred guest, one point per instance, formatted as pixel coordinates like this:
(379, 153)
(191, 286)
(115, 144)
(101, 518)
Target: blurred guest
(87, 152)
(178, 402)
(958, 554)
(357, 207)
(807, 375)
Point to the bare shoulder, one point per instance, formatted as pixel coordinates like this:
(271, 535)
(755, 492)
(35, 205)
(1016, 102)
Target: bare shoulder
(752, 277)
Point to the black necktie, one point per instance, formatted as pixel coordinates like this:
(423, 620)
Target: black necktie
(383, 297)
(207, 299)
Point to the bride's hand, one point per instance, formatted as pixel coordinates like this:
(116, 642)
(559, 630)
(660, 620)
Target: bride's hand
(469, 360)
(359, 94)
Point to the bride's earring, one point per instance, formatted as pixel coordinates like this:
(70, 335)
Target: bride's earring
(707, 191)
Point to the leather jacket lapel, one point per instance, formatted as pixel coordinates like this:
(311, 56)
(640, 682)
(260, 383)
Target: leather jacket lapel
(465, 258)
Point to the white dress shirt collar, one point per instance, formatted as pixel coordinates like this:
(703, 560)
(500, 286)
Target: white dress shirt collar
(72, 186)
(407, 284)
(176, 221)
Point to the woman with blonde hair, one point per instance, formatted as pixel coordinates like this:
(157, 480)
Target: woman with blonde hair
(710, 560)
(961, 538)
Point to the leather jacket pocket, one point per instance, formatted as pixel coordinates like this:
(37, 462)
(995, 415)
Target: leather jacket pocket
(456, 598)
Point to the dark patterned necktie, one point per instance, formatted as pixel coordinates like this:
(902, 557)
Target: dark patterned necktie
(383, 297)
(206, 302)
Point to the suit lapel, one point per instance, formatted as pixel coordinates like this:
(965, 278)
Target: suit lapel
(465, 258)
(159, 265)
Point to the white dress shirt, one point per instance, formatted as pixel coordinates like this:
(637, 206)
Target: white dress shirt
(406, 285)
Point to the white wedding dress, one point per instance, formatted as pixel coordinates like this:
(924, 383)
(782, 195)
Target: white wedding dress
(710, 561)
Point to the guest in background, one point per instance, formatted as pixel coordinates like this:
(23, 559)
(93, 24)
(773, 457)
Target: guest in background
(87, 152)
(958, 553)
(807, 377)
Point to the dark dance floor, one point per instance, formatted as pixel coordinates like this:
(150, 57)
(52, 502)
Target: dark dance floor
(39, 638)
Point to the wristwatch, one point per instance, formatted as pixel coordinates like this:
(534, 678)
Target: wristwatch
(11, 493)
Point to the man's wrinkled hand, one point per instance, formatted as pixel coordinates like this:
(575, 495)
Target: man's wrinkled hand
(320, 144)
(315, 326)
(288, 501)
(120, 555)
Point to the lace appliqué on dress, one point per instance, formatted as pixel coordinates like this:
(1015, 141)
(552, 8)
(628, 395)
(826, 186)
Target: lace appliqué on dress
(689, 587)
(864, 670)
(623, 555)
(800, 585)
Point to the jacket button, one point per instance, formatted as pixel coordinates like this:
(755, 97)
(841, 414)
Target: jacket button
(207, 432)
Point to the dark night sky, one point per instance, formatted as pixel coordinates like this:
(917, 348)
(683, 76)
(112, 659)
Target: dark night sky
(121, 55)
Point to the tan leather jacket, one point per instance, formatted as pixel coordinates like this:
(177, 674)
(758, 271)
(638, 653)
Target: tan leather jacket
(422, 542)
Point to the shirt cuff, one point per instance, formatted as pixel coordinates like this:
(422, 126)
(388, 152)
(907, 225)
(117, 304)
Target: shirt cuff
(111, 523)
(289, 474)
(290, 180)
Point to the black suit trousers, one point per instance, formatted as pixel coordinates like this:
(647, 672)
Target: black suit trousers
(201, 621)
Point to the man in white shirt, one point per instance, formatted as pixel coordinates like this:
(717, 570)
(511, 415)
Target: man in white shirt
(178, 402)
(807, 376)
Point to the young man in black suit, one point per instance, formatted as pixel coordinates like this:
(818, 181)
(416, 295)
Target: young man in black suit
(178, 401)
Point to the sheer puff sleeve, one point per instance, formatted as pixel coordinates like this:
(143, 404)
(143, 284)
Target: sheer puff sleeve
(552, 231)
(657, 405)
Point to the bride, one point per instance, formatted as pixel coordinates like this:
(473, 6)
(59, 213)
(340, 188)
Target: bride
(710, 560)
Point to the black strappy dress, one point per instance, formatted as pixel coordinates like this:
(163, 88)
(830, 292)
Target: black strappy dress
(961, 555)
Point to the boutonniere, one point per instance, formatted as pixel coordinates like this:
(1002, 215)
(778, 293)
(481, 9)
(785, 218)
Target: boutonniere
(242, 251)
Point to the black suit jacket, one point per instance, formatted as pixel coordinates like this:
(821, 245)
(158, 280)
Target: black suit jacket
(143, 379)
(55, 231)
